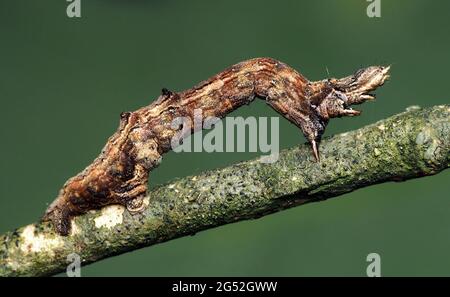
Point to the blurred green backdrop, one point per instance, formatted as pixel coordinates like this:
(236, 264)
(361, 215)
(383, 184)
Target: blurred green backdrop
(63, 83)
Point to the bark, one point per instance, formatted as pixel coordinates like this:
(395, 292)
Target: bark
(411, 144)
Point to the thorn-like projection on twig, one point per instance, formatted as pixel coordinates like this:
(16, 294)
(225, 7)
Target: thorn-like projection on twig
(119, 175)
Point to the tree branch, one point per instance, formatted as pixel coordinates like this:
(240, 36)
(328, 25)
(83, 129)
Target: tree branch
(412, 144)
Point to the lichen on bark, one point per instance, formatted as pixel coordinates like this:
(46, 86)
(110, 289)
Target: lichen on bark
(411, 144)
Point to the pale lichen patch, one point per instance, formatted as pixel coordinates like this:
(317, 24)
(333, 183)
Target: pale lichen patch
(146, 202)
(75, 229)
(430, 152)
(110, 216)
(413, 108)
(12, 263)
(377, 152)
(34, 243)
(424, 137)
(428, 138)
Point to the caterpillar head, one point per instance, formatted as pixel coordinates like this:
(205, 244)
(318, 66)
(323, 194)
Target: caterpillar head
(333, 98)
(351, 90)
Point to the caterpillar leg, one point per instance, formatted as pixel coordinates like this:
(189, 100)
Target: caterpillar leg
(61, 220)
(136, 204)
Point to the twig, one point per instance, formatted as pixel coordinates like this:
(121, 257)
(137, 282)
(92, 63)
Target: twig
(412, 144)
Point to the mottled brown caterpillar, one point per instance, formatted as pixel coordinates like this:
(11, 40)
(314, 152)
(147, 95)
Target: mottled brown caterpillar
(120, 174)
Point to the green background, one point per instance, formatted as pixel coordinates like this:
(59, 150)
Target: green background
(64, 82)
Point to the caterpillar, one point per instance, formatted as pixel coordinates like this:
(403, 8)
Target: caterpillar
(119, 175)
